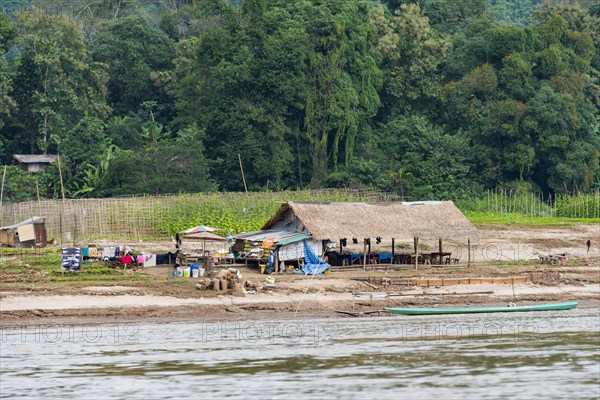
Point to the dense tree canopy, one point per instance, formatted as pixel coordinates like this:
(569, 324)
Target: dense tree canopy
(431, 98)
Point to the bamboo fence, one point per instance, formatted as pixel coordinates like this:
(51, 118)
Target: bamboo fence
(564, 205)
(158, 217)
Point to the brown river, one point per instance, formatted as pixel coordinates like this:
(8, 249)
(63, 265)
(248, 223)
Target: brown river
(541, 355)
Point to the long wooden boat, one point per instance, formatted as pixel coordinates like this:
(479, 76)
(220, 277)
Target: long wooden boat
(371, 295)
(473, 310)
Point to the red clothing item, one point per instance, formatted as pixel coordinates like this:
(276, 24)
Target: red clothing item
(126, 260)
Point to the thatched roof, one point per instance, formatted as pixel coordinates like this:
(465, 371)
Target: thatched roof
(334, 221)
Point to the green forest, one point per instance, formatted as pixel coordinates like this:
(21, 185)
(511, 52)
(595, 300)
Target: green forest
(439, 99)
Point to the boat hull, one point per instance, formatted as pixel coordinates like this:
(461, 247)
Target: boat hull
(476, 310)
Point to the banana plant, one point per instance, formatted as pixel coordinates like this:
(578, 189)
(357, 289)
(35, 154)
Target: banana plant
(94, 175)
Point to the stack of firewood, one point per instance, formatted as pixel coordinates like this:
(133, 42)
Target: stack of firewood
(227, 279)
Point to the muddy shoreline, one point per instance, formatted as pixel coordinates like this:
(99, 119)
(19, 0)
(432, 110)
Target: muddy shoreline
(275, 307)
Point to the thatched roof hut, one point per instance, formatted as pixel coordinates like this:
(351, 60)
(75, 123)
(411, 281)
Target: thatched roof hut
(34, 162)
(406, 220)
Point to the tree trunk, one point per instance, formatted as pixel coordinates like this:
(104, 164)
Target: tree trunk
(320, 161)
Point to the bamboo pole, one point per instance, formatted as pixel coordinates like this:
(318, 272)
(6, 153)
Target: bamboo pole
(532, 208)
(242, 169)
(37, 189)
(2, 190)
(62, 188)
(496, 209)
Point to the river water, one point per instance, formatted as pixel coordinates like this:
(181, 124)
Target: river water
(522, 355)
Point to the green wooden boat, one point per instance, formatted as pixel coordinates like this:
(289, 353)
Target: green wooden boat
(473, 310)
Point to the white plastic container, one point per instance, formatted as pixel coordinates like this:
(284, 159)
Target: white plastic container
(200, 271)
(195, 273)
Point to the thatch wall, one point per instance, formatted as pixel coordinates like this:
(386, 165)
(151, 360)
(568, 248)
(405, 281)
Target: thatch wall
(335, 221)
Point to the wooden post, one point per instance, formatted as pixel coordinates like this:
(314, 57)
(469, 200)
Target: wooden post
(37, 189)
(393, 250)
(416, 240)
(469, 252)
(60, 224)
(364, 254)
(440, 250)
(62, 188)
(242, 169)
(2, 190)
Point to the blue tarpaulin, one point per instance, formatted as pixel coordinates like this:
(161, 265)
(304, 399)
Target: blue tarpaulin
(314, 265)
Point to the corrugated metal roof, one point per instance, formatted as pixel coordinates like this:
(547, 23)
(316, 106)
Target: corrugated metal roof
(35, 158)
(294, 239)
(280, 237)
(28, 221)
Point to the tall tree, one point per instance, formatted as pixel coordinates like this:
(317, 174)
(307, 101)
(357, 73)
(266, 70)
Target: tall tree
(530, 105)
(166, 166)
(136, 55)
(56, 82)
(8, 33)
(423, 161)
(343, 82)
(411, 55)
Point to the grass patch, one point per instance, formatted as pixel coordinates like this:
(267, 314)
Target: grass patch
(44, 266)
(513, 263)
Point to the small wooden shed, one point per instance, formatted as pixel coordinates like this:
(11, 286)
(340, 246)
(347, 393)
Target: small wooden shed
(34, 162)
(28, 233)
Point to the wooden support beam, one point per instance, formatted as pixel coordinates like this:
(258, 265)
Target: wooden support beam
(469, 251)
(416, 246)
(364, 254)
(2, 189)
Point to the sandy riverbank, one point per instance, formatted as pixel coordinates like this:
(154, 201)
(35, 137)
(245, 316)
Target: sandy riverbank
(279, 303)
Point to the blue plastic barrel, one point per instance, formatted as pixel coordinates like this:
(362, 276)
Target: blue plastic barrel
(193, 266)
